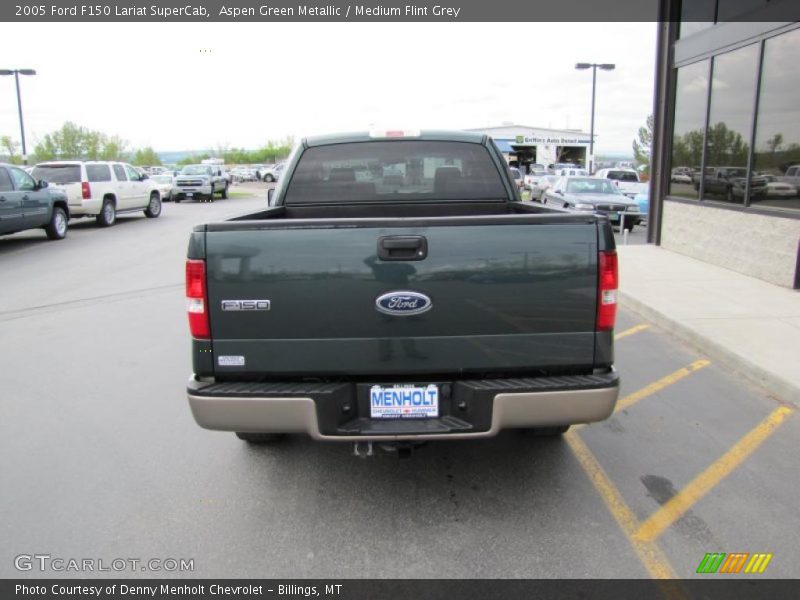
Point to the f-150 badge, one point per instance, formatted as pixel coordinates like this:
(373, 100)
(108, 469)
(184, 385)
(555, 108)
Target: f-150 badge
(403, 303)
(245, 305)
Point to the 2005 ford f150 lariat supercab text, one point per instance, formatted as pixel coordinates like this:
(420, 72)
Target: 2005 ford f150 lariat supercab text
(396, 289)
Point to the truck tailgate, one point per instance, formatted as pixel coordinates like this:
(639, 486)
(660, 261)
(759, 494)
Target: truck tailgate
(510, 295)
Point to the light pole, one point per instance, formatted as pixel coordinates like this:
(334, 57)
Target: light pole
(593, 67)
(16, 73)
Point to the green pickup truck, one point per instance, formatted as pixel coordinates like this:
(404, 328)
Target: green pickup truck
(396, 289)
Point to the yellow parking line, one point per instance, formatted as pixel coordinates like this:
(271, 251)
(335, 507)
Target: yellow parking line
(651, 556)
(672, 510)
(631, 331)
(659, 385)
(656, 386)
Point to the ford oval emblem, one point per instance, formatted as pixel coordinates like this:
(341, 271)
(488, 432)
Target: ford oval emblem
(403, 303)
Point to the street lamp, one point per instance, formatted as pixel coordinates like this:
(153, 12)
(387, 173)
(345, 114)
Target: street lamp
(16, 73)
(593, 67)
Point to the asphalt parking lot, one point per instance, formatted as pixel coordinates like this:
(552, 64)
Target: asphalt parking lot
(102, 458)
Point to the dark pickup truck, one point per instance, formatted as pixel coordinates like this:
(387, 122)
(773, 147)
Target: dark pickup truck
(396, 289)
(26, 203)
(729, 183)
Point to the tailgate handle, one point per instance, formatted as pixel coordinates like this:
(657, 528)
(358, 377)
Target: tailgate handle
(402, 247)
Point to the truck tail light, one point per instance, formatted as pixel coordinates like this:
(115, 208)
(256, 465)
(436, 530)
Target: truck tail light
(197, 299)
(86, 190)
(607, 284)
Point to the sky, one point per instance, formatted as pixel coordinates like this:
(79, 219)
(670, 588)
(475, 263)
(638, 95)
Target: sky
(194, 86)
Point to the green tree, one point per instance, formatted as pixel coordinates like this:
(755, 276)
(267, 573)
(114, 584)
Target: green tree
(146, 157)
(73, 141)
(644, 142)
(725, 146)
(46, 149)
(10, 147)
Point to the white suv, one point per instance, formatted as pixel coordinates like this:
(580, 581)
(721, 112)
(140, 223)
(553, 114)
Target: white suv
(101, 189)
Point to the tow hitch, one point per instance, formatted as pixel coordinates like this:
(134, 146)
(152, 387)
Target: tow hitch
(403, 449)
(363, 449)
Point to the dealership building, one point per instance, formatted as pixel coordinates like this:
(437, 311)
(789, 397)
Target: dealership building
(523, 145)
(727, 136)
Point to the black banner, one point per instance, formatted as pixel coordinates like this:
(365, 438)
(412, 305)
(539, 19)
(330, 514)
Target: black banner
(376, 10)
(731, 588)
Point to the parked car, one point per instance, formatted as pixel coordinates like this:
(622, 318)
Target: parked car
(243, 174)
(544, 183)
(777, 187)
(730, 183)
(681, 175)
(272, 173)
(555, 167)
(625, 180)
(571, 172)
(595, 194)
(792, 176)
(643, 200)
(26, 203)
(440, 308)
(201, 181)
(165, 183)
(101, 189)
(516, 175)
(532, 178)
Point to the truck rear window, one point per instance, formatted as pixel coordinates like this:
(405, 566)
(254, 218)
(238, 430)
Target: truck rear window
(395, 171)
(57, 173)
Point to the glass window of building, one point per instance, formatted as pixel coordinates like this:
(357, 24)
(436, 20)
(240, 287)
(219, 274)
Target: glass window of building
(730, 124)
(691, 99)
(776, 156)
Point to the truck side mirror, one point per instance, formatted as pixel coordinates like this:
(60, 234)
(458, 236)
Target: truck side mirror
(270, 196)
(41, 184)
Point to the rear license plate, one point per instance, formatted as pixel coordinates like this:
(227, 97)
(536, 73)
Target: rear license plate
(404, 402)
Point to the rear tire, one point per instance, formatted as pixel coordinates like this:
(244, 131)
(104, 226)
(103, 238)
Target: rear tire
(154, 208)
(269, 178)
(260, 438)
(57, 227)
(108, 214)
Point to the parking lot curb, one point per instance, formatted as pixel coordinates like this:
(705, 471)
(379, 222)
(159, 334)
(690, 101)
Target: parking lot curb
(772, 383)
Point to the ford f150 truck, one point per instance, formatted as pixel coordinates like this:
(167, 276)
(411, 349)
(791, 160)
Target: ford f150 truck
(426, 304)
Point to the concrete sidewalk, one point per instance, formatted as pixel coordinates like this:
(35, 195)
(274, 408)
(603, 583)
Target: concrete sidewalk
(750, 325)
